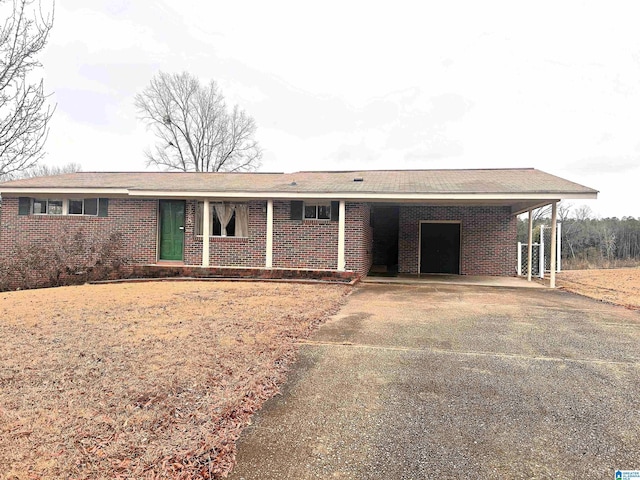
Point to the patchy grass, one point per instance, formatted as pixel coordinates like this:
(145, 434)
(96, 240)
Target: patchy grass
(620, 286)
(143, 380)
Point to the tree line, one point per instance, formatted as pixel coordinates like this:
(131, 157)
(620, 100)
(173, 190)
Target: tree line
(588, 241)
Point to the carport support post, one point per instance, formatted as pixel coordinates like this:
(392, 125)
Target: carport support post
(554, 224)
(206, 228)
(530, 247)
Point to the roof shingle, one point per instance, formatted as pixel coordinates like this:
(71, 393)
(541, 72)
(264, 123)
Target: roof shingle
(487, 181)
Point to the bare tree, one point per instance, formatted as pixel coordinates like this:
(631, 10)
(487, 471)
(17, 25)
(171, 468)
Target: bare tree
(42, 170)
(24, 111)
(582, 213)
(195, 129)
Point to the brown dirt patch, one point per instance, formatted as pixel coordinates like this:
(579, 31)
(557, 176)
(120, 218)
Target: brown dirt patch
(620, 286)
(143, 380)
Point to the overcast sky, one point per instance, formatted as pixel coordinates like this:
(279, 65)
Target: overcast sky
(340, 85)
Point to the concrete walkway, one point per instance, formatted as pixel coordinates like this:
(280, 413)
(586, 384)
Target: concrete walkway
(451, 381)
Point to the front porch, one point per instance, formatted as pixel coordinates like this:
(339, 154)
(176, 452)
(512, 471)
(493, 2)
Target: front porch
(177, 270)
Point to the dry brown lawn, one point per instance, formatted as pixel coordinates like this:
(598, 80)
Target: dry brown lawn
(143, 380)
(620, 286)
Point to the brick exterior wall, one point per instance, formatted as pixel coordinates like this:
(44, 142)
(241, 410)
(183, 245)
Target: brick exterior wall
(306, 244)
(228, 251)
(488, 238)
(136, 219)
(358, 238)
(303, 243)
(313, 244)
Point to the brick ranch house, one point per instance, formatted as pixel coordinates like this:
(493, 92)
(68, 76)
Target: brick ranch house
(336, 225)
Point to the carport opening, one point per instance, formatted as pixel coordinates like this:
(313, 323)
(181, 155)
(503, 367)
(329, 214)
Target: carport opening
(385, 224)
(440, 247)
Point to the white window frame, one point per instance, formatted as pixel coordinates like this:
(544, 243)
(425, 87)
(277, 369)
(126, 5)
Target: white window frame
(316, 205)
(47, 202)
(65, 207)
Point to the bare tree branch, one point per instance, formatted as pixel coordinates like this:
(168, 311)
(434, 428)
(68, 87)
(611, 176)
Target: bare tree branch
(194, 128)
(43, 170)
(24, 110)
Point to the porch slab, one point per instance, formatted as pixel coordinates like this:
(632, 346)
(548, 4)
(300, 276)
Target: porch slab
(476, 280)
(163, 271)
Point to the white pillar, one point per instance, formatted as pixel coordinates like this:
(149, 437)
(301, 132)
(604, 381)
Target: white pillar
(206, 228)
(530, 247)
(269, 240)
(552, 267)
(559, 252)
(541, 259)
(341, 222)
(519, 264)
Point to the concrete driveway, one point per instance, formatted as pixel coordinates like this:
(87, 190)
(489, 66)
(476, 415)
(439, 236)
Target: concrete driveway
(437, 381)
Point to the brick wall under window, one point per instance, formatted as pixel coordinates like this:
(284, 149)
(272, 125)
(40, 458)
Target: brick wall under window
(228, 251)
(136, 219)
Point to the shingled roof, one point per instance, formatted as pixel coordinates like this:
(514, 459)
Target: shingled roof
(361, 182)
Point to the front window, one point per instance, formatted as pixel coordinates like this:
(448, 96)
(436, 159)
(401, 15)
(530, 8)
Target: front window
(47, 206)
(72, 206)
(225, 219)
(317, 211)
(83, 206)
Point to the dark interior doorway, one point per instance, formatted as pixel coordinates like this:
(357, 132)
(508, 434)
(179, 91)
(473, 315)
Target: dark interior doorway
(385, 221)
(440, 248)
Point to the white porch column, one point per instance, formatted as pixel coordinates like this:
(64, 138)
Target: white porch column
(553, 252)
(341, 223)
(559, 252)
(206, 228)
(541, 255)
(530, 247)
(269, 240)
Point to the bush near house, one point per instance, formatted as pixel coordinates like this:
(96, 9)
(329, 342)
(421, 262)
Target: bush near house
(67, 260)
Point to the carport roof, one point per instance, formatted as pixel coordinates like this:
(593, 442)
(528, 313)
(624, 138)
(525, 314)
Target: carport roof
(520, 188)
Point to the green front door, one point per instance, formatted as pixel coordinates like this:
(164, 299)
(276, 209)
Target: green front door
(171, 229)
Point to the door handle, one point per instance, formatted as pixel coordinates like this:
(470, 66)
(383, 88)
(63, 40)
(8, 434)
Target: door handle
(181, 228)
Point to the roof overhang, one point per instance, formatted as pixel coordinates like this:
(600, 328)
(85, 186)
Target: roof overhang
(518, 202)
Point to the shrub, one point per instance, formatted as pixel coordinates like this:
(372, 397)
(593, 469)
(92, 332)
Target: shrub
(70, 259)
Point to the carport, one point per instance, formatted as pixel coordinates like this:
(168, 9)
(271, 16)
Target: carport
(464, 226)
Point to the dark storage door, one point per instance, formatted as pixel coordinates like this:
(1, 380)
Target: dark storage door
(440, 248)
(171, 229)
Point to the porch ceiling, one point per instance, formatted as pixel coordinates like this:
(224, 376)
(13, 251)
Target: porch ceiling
(517, 206)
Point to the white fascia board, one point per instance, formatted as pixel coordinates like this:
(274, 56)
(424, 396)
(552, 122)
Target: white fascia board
(365, 196)
(354, 196)
(105, 192)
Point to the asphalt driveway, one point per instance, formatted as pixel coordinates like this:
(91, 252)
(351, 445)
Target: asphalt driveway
(436, 381)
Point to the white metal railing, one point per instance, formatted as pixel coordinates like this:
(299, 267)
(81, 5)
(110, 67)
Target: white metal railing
(539, 267)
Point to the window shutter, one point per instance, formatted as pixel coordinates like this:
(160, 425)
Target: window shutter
(24, 205)
(103, 207)
(335, 211)
(296, 209)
